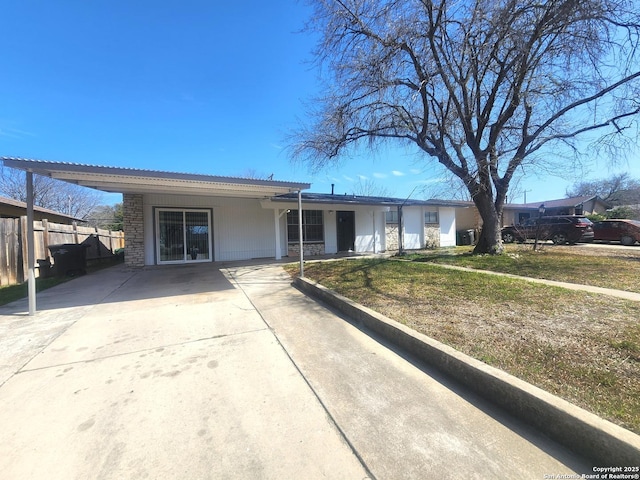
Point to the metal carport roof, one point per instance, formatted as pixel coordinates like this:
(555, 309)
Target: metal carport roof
(130, 180)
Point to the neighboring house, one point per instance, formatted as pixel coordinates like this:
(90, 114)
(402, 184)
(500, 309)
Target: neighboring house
(468, 218)
(10, 208)
(586, 205)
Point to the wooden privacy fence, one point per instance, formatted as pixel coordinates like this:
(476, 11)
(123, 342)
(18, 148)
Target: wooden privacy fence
(13, 244)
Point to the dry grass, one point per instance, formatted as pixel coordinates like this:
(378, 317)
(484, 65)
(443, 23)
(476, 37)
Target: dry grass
(582, 347)
(599, 266)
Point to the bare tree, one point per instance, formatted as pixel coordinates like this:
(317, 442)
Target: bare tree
(63, 197)
(369, 188)
(483, 87)
(618, 189)
(108, 217)
(254, 174)
(445, 187)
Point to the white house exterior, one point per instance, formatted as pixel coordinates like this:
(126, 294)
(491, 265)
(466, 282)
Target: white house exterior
(447, 226)
(174, 218)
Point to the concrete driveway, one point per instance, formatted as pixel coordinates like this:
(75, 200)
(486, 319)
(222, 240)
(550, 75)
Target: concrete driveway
(197, 372)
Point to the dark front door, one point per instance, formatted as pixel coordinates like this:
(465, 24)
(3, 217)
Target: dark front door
(346, 230)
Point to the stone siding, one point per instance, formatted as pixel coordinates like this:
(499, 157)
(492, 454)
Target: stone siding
(310, 249)
(431, 236)
(391, 236)
(133, 230)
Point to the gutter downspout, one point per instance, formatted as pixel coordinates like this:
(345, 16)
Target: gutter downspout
(31, 275)
(300, 233)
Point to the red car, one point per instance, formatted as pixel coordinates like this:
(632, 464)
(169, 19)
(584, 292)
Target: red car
(627, 232)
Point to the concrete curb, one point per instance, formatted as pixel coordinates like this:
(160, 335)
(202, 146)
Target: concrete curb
(585, 433)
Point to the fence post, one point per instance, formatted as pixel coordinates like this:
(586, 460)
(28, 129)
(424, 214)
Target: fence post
(98, 242)
(76, 239)
(13, 250)
(22, 273)
(5, 245)
(45, 237)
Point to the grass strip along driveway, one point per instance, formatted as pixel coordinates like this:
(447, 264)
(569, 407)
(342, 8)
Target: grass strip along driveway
(582, 347)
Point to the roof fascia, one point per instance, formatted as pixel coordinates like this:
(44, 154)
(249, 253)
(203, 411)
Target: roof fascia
(76, 173)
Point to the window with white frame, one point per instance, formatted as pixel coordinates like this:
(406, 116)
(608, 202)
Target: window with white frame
(392, 216)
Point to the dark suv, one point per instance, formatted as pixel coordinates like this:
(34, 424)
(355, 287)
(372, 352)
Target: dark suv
(560, 229)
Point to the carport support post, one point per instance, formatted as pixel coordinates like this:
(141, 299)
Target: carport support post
(300, 233)
(31, 276)
(276, 219)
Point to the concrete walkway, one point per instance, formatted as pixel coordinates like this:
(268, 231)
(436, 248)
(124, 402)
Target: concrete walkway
(194, 372)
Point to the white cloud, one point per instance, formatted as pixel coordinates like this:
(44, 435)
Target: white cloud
(430, 181)
(14, 133)
(380, 175)
(348, 179)
(363, 177)
(397, 173)
(415, 171)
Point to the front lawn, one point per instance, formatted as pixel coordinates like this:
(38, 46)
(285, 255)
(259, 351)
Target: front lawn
(598, 267)
(579, 346)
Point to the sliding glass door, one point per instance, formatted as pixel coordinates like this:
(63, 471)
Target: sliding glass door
(183, 236)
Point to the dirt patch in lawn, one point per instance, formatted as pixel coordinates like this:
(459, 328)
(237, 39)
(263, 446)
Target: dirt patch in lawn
(582, 347)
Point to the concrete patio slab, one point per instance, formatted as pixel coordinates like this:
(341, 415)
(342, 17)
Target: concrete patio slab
(149, 311)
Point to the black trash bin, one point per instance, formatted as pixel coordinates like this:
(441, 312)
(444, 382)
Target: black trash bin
(462, 237)
(69, 259)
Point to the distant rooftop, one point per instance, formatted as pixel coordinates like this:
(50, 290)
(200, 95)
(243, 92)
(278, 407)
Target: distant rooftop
(22, 205)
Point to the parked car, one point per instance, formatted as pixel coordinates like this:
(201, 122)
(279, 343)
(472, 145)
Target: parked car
(560, 229)
(627, 232)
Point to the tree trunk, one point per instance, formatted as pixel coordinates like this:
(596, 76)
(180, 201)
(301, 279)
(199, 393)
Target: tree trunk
(490, 240)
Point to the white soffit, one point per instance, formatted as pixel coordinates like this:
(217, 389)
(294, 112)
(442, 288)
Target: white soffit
(128, 180)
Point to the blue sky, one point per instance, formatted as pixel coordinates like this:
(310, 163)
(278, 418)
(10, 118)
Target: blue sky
(194, 86)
